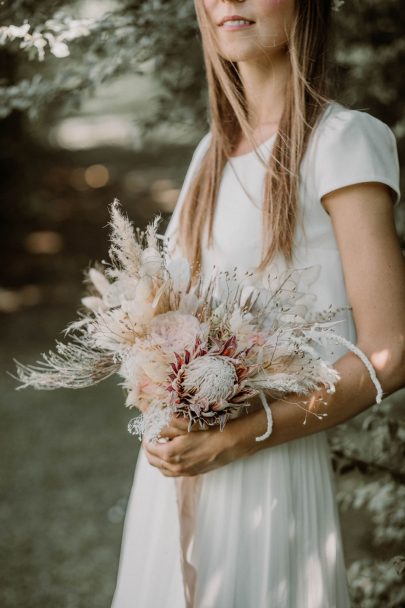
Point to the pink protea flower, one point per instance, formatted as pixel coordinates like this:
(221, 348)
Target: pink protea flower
(209, 385)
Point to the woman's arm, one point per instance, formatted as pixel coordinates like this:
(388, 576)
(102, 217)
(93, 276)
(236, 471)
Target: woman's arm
(374, 272)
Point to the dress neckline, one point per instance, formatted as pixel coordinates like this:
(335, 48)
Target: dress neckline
(331, 103)
(328, 108)
(259, 147)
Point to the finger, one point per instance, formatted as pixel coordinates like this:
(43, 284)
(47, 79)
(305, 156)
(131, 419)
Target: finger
(175, 427)
(164, 451)
(152, 449)
(164, 468)
(171, 467)
(170, 432)
(179, 422)
(182, 423)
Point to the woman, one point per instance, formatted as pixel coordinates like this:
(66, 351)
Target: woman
(285, 177)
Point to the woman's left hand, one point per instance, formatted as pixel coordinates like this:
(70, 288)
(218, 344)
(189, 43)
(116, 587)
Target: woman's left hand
(190, 453)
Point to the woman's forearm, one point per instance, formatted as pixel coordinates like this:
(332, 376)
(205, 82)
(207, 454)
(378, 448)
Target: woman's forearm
(355, 392)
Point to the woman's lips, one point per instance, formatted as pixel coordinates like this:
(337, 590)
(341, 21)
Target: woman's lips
(235, 22)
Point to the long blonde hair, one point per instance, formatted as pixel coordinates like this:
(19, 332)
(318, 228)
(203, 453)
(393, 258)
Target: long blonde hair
(305, 99)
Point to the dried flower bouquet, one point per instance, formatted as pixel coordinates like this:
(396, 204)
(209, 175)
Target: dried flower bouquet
(199, 349)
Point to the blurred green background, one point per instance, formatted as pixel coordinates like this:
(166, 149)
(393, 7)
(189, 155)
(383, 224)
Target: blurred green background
(107, 99)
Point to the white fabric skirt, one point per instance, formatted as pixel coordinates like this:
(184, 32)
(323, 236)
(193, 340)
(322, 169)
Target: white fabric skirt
(267, 535)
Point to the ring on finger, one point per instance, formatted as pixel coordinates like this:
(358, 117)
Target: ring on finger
(162, 439)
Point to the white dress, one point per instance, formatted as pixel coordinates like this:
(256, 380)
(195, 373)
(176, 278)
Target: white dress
(268, 531)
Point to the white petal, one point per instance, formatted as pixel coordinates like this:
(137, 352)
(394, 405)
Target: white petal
(99, 281)
(94, 304)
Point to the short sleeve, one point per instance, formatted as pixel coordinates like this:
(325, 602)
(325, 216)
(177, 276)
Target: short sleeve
(196, 159)
(354, 147)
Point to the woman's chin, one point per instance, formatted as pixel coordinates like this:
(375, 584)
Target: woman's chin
(245, 54)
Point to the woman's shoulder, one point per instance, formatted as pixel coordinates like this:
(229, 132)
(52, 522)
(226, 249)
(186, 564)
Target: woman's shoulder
(339, 120)
(350, 146)
(198, 154)
(202, 147)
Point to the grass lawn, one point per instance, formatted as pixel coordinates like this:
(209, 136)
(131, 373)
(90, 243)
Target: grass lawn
(67, 466)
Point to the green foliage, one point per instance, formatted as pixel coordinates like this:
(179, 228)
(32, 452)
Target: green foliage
(370, 49)
(373, 444)
(375, 440)
(153, 37)
(376, 584)
(385, 500)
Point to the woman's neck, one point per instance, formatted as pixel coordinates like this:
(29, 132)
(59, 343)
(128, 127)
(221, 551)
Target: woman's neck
(265, 87)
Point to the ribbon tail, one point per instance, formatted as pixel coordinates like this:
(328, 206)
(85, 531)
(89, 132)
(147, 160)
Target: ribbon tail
(187, 494)
(269, 418)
